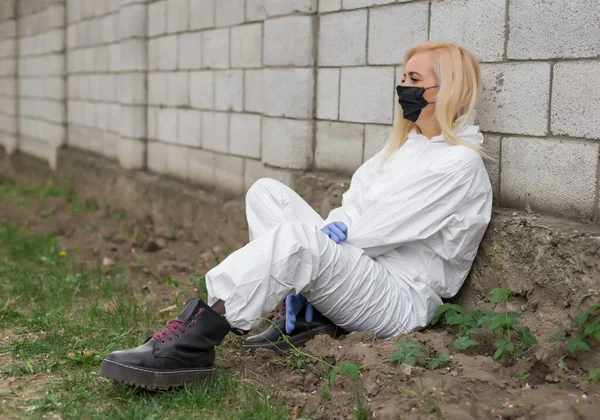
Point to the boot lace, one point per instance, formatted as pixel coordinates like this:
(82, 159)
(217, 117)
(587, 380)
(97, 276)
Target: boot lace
(173, 328)
(281, 311)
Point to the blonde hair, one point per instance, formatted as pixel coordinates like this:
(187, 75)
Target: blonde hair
(459, 80)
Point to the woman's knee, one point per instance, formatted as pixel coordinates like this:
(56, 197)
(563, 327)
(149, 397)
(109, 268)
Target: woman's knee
(260, 188)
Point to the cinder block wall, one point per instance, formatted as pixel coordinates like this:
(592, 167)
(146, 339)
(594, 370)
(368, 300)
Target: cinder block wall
(223, 92)
(8, 74)
(41, 77)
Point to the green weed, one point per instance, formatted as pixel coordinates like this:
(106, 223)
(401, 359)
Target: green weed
(409, 352)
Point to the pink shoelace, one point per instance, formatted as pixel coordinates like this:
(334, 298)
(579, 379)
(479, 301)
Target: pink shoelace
(281, 311)
(173, 328)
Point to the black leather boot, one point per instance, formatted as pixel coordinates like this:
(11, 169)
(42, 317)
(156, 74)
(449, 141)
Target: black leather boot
(272, 338)
(182, 353)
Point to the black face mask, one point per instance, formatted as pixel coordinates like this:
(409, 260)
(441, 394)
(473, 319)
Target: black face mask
(412, 101)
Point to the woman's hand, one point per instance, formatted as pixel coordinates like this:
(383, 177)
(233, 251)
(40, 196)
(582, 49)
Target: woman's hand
(337, 231)
(293, 305)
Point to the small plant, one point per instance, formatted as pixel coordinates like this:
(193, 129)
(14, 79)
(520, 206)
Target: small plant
(522, 377)
(325, 393)
(347, 367)
(584, 328)
(410, 352)
(594, 376)
(509, 339)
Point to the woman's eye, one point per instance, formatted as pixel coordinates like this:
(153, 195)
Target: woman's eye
(414, 80)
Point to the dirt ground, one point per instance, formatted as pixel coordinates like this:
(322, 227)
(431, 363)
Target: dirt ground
(472, 386)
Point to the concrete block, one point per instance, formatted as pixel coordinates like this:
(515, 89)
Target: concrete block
(246, 45)
(376, 137)
(554, 29)
(132, 21)
(102, 116)
(190, 127)
(229, 174)
(202, 89)
(132, 88)
(157, 157)
(215, 49)
(230, 12)
(73, 10)
(514, 98)
(8, 29)
(167, 53)
(255, 10)
(278, 7)
(255, 170)
(9, 141)
(102, 59)
(253, 90)
(8, 86)
(115, 118)
(328, 94)
(289, 92)
(8, 67)
(343, 38)
(190, 51)
(550, 175)
(8, 124)
(133, 54)
(72, 37)
(287, 143)
(354, 4)
(201, 167)
(393, 29)
(339, 146)
(178, 92)
(110, 28)
(152, 122)
(492, 145)
(114, 57)
(215, 131)
(89, 114)
(229, 90)
(478, 25)
(202, 14)
(40, 149)
(101, 7)
(55, 16)
(7, 48)
(114, 5)
(177, 161)
(245, 135)
(167, 124)
(178, 15)
(133, 121)
(53, 88)
(575, 110)
(131, 153)
(157, 88)
(367, 94)
(157, 18)
(289, 41)
(330, 6)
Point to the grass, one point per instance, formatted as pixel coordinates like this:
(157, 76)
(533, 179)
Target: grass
(61, 321)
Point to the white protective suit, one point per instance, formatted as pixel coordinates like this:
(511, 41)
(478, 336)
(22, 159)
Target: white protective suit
(414, 226)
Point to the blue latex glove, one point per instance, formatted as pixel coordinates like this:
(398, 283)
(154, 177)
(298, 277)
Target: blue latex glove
(337, 231)
(293, 305)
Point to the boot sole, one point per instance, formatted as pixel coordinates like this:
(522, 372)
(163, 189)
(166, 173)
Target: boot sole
(298, 340)
(153, 379)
